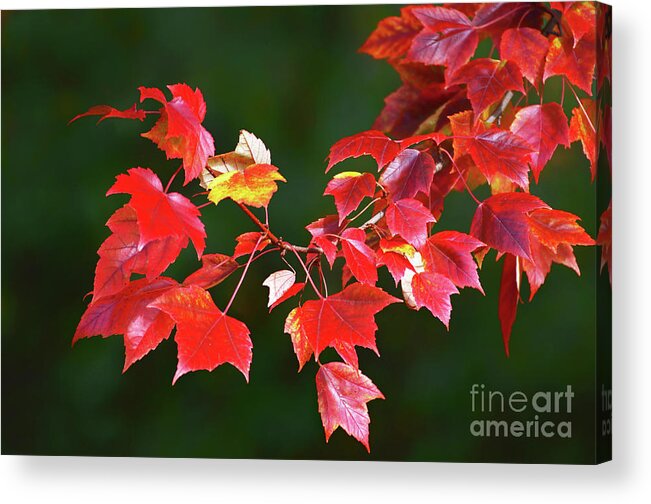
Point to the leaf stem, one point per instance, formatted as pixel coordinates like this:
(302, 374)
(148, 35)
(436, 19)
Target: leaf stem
(362, 211)
(585, 112)
(463, 179)
(169, 182)
(246, 268)
(307, 272)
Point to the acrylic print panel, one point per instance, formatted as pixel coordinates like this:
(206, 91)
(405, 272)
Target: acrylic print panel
(346, 232)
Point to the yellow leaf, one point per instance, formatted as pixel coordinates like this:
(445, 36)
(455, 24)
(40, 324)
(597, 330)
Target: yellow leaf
(254, 186)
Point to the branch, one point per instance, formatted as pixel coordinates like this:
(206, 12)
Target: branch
(278, 242)
(502, 107)
(373, 220)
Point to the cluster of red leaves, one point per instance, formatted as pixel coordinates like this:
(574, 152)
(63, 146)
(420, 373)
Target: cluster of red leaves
(489, 131)
(458, 121)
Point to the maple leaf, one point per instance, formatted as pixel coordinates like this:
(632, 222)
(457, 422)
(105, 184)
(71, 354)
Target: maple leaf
(553, 227)
(433, 291)
(349, 189)
(160, 214)
(509, 297)
(581, 17)
(360, 258)
(449, 253)
(502, 222)
(527, 48)
(215, 268)
(127, 312)
(205, 336)
(543, 127)
(282, 286)
(249, 150)
(553, 232)
(407, 108)
(409, 173)
(393, 35)
(323, 231)
(577, 63)
(494, 151)
(367, 143)
(106, 112)
(494, 18)
(583, 127)
(487, 81)
(604, 238)
(178, 132)
(542, 258)
(120, 254)
(347, 317)
(300, 341)
(409, 218)
(254, 186)
(394, 253)
(343, 392)
(375, 144)
(250, 242)
(448, 38)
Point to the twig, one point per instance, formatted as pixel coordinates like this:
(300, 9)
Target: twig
(500, 110)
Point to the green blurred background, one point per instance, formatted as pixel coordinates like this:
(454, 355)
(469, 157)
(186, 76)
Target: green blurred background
(293, 76)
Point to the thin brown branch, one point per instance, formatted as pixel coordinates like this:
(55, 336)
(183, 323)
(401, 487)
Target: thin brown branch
(278, 242)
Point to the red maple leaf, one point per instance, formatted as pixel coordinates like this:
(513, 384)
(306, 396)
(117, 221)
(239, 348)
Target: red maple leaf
(343, 392)
(205, 336)
(178, 131)
(553, 233)
(128, 312)
(408, 174)
(107, 112)
(215, 268)
(360, 258)
(554, 227)
(543, 127)
(583, 127)
(300, 341)
(433, 291)
(393, 35)
(394, 253)
(375, 144)
(250, 242)
(409, 218)
(323, 233)
(495, 151)
(502, 222)
(349, 189)
(121, 254)
(160, 214)
(347, 317)
(577, 63)
(449, 253)
(542, 258)
(581, 17)
(487, 81)
(367, 143)
(527, 48)
(448, 38)
(410, 106)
